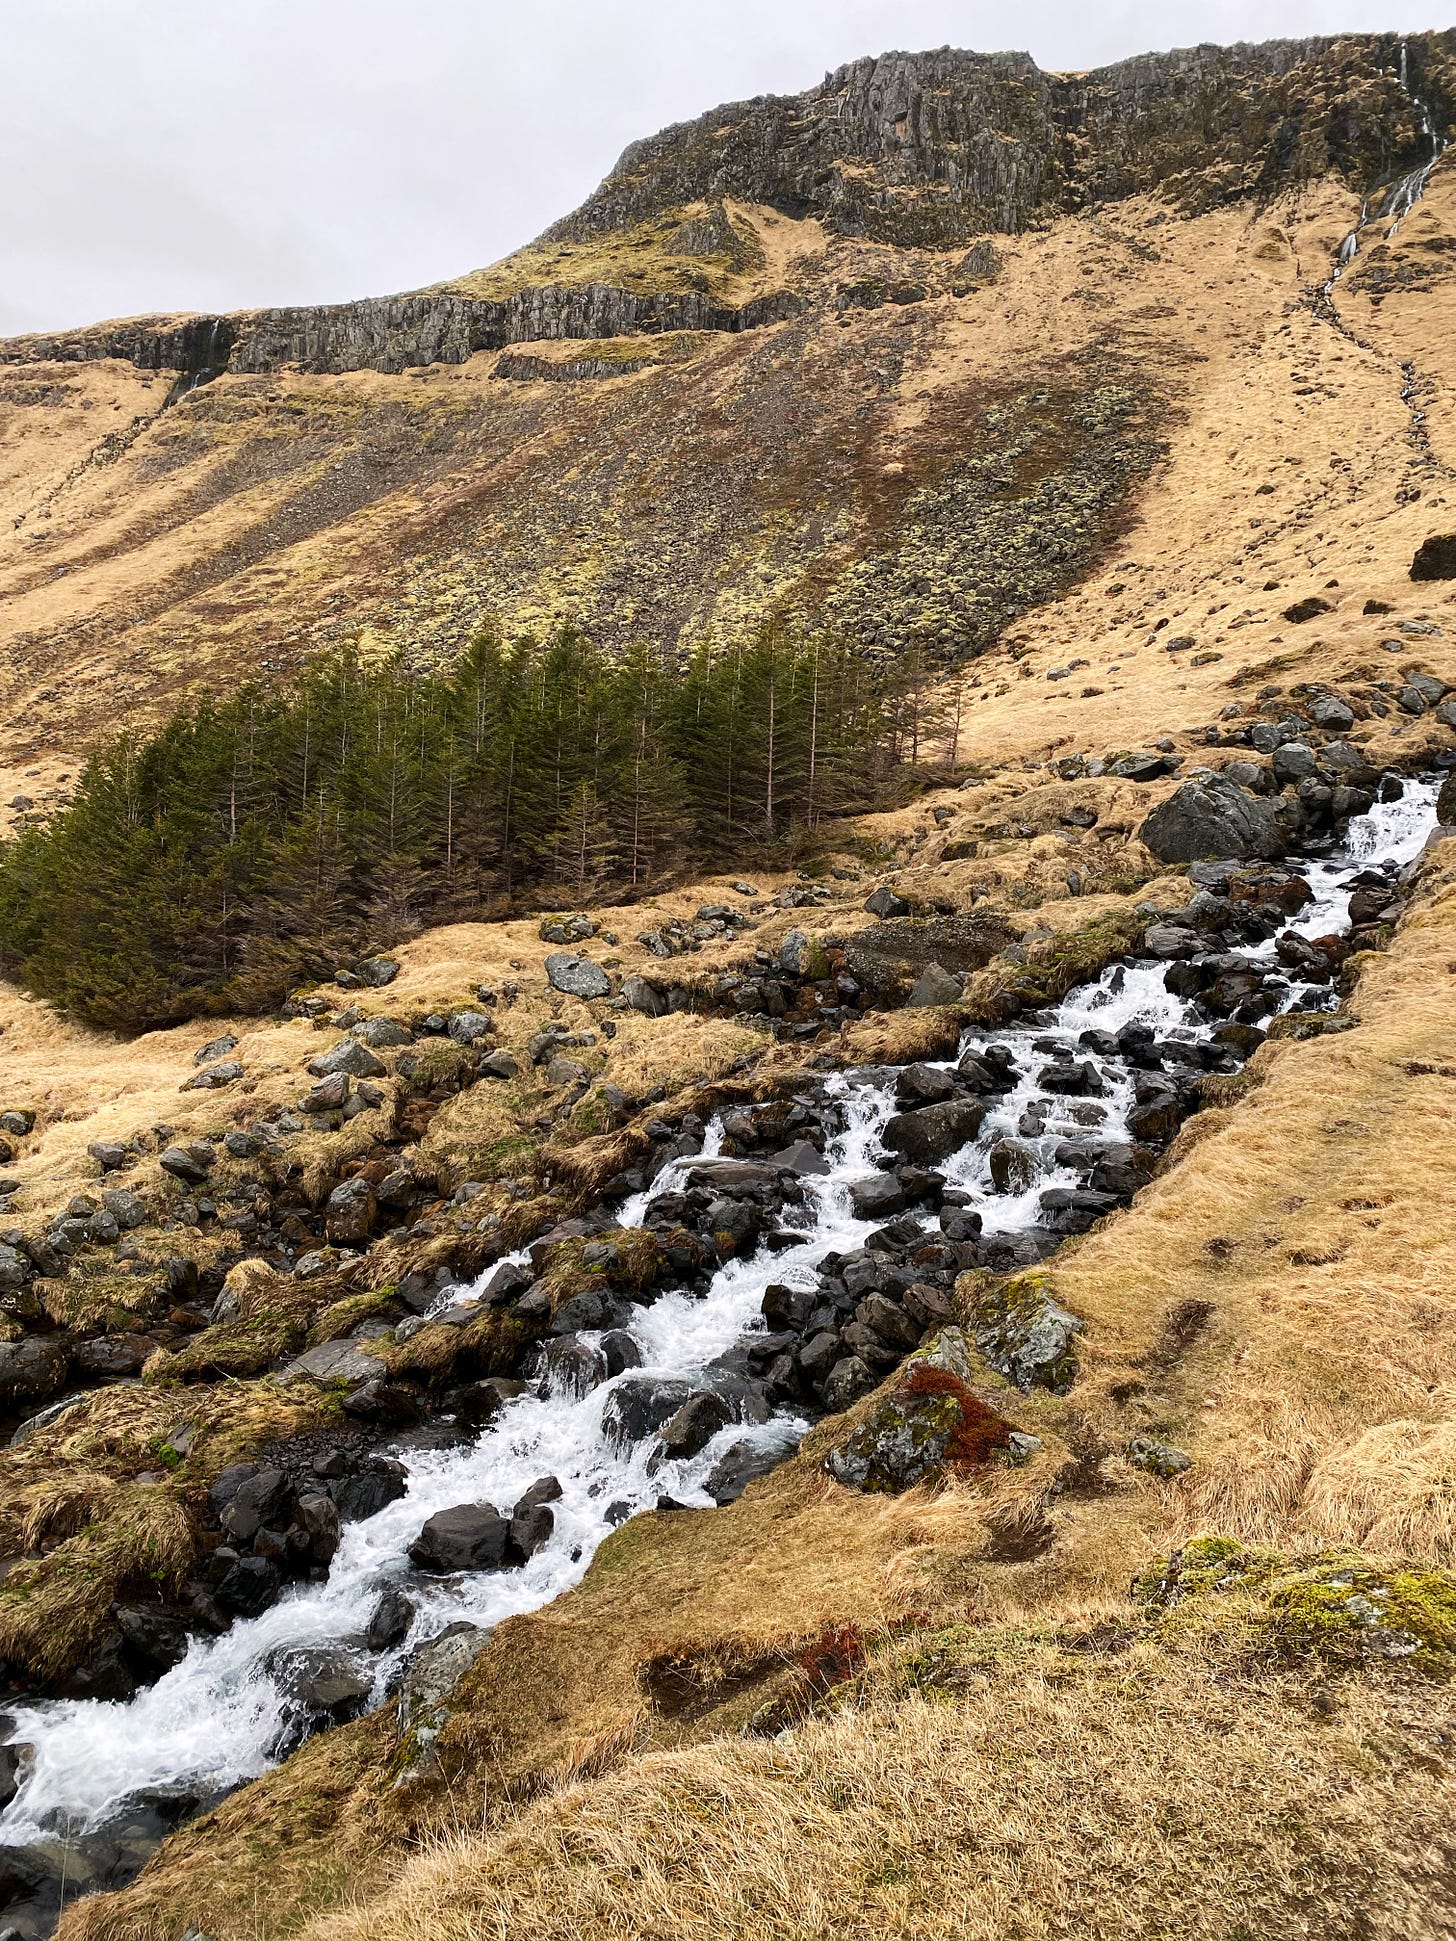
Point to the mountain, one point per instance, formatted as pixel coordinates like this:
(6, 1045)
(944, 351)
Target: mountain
(930, 276)
(884, 1373)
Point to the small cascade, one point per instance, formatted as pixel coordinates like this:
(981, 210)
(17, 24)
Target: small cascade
(1401, 197)
(1068, 1112)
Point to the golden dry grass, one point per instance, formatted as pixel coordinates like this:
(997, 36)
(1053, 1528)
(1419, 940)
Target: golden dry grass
(1277, 1303)
(1123, 1798)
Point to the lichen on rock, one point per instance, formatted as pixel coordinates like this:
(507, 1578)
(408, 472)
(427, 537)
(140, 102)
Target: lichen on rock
(930, 1419)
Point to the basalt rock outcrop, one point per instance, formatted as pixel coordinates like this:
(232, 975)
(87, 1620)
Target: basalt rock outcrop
(936, 148)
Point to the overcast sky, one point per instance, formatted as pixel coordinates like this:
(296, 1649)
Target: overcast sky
(179, 155)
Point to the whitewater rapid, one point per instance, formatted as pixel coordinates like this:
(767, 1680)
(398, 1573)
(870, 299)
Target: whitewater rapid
(218, 1718)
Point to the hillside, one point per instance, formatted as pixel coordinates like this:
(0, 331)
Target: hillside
(925, 1348)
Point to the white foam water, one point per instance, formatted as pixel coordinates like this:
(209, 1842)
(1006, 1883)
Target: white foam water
(216, 1719)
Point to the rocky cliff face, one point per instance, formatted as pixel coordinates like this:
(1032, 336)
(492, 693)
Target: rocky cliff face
(914, 150)
(395, 333)
(932, 149)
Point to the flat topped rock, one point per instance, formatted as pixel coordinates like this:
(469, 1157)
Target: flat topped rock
(334, 1361)
(577, 976)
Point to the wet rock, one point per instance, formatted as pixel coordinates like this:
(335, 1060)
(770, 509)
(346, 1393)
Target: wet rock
(641, 1406)
(577, 976)
(250, 1586)
(533, 1521)
(621, 1351)
(1013, 1166)
(1171, 940)
(155, 1639)
(471, 1536)
(1213, 818)
(878, 1197)
(10, 1763)
(934, 1131)
(785, 1307)
(317, 1516)
(347, 1056)
(389, 1621)
(800, 1158)
(575, 1364)
(694, 1425)
(738, 1466)
(1025, 1335)
(1074, 1210)
(593, 1308)
(368, 1490)
(929, 1419)
(923, 1085)
(1158, 1458)
(322, 1684)
(31, 1371)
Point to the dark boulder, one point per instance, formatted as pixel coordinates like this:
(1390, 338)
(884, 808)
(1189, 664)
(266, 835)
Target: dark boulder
(1213, 818)
(695, 1424)
(738, 1466)
(250, 1586)
(641, 1406)
(533, 1521)
(934, 1131)
(155, 1639)
(259, 1499)
(878, 1197)
(368, 1490)
(471, 1536)
(30, 1371)
(1435, 558)
(389, 1621)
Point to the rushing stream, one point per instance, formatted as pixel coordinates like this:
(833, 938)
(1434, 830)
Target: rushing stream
(219, 1717)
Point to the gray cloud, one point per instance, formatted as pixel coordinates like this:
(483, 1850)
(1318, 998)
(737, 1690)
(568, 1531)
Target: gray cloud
(161, 155)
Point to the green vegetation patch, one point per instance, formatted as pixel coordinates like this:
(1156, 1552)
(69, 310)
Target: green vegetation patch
(1338, 1606)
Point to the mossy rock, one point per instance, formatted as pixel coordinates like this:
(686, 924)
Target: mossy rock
(930, 1420)
(1339, 1606)
(1022, 1329)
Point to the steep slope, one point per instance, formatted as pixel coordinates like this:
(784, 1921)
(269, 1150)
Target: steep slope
(198, 500)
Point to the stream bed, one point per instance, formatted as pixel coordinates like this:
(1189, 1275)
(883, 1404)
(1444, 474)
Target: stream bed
(98, 1784)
